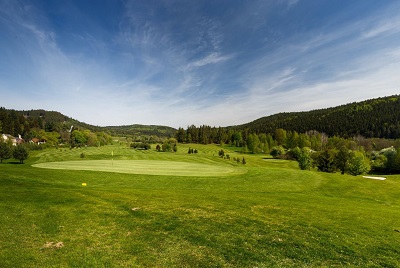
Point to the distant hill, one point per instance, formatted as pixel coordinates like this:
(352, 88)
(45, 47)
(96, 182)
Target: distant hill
(378, 118)
(137, 130)
(18, 122)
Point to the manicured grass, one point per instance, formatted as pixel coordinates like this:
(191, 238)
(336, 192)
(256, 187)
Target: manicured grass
(149, 167)
(274, 215)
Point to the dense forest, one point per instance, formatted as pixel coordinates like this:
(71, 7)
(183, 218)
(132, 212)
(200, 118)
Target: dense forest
(375, 118)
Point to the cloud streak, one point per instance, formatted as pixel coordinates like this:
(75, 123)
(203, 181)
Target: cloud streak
(173, 63)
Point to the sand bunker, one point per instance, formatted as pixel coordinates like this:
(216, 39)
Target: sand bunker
(375, 178)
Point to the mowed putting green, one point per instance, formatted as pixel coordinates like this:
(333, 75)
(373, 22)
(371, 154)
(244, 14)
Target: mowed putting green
(147, 167)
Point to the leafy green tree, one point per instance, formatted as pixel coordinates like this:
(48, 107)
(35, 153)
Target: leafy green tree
(271, 142)
(244, 161)
(51, 137)
(292, 139)
(280, 136)
(221, 153)
(253, 143)
(341, 159)
(305, 159)
(189, 138)
(20, 153)
(237, 139)
(92, 139)
(180, 135)
(170, 145)
(78, 138)
(325, 160)
(391, 155)
(304, 141)
(5, 151)
(358, 164)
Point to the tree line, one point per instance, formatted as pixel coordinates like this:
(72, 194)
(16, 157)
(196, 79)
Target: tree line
(355, 155)
(7, 151)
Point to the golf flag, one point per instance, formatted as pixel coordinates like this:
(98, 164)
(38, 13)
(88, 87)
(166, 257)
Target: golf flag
(112, 153)
(84, 184)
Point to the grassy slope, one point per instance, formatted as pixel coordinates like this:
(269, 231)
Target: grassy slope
(274, 215)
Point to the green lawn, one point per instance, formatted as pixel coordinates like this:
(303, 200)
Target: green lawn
(148, 167)
(267, 213)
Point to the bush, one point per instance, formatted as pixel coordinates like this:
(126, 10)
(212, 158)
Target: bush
(304, 159)
(277, 151)
(140, 146)
(358, 164)
(293, 154)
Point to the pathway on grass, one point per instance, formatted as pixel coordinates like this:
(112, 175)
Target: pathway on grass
(149, 167)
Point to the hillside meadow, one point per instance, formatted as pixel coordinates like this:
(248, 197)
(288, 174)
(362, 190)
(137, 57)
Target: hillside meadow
(120, 207)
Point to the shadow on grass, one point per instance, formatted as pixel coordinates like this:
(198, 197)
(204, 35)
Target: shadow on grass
(13, 163)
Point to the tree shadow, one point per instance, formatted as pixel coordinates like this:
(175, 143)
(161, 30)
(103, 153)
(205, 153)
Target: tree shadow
(14, 163)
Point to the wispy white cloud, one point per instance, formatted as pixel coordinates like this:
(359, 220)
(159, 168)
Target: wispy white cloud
(212, 58)
(152, 73)
(391, 26)
(292, 3)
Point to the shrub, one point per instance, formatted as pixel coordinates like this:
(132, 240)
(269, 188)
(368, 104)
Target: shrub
(277, 151)
(304, 159)
(358, 164)
(140, 145)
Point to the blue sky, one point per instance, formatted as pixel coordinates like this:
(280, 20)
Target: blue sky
(176, 63)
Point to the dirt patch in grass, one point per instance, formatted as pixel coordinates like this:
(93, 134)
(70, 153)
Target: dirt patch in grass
(53, 245)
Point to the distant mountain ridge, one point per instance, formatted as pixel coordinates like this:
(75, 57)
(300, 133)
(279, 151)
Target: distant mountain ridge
(378, 118)
(12, 120)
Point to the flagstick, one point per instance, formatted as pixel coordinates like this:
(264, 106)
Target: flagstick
(112, 158)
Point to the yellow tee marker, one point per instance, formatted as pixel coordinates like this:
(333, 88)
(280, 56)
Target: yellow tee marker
(84, 184)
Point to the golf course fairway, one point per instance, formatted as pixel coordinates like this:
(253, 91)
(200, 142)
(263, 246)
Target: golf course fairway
(147, 167)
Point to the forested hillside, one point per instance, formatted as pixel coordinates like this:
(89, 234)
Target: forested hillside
(23, 122)
(378, 118)
(138, 130)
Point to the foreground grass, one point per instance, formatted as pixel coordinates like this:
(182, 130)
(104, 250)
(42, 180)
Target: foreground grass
(274, 215)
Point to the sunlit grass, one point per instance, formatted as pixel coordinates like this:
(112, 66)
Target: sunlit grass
(148, 167)
(274, 215)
